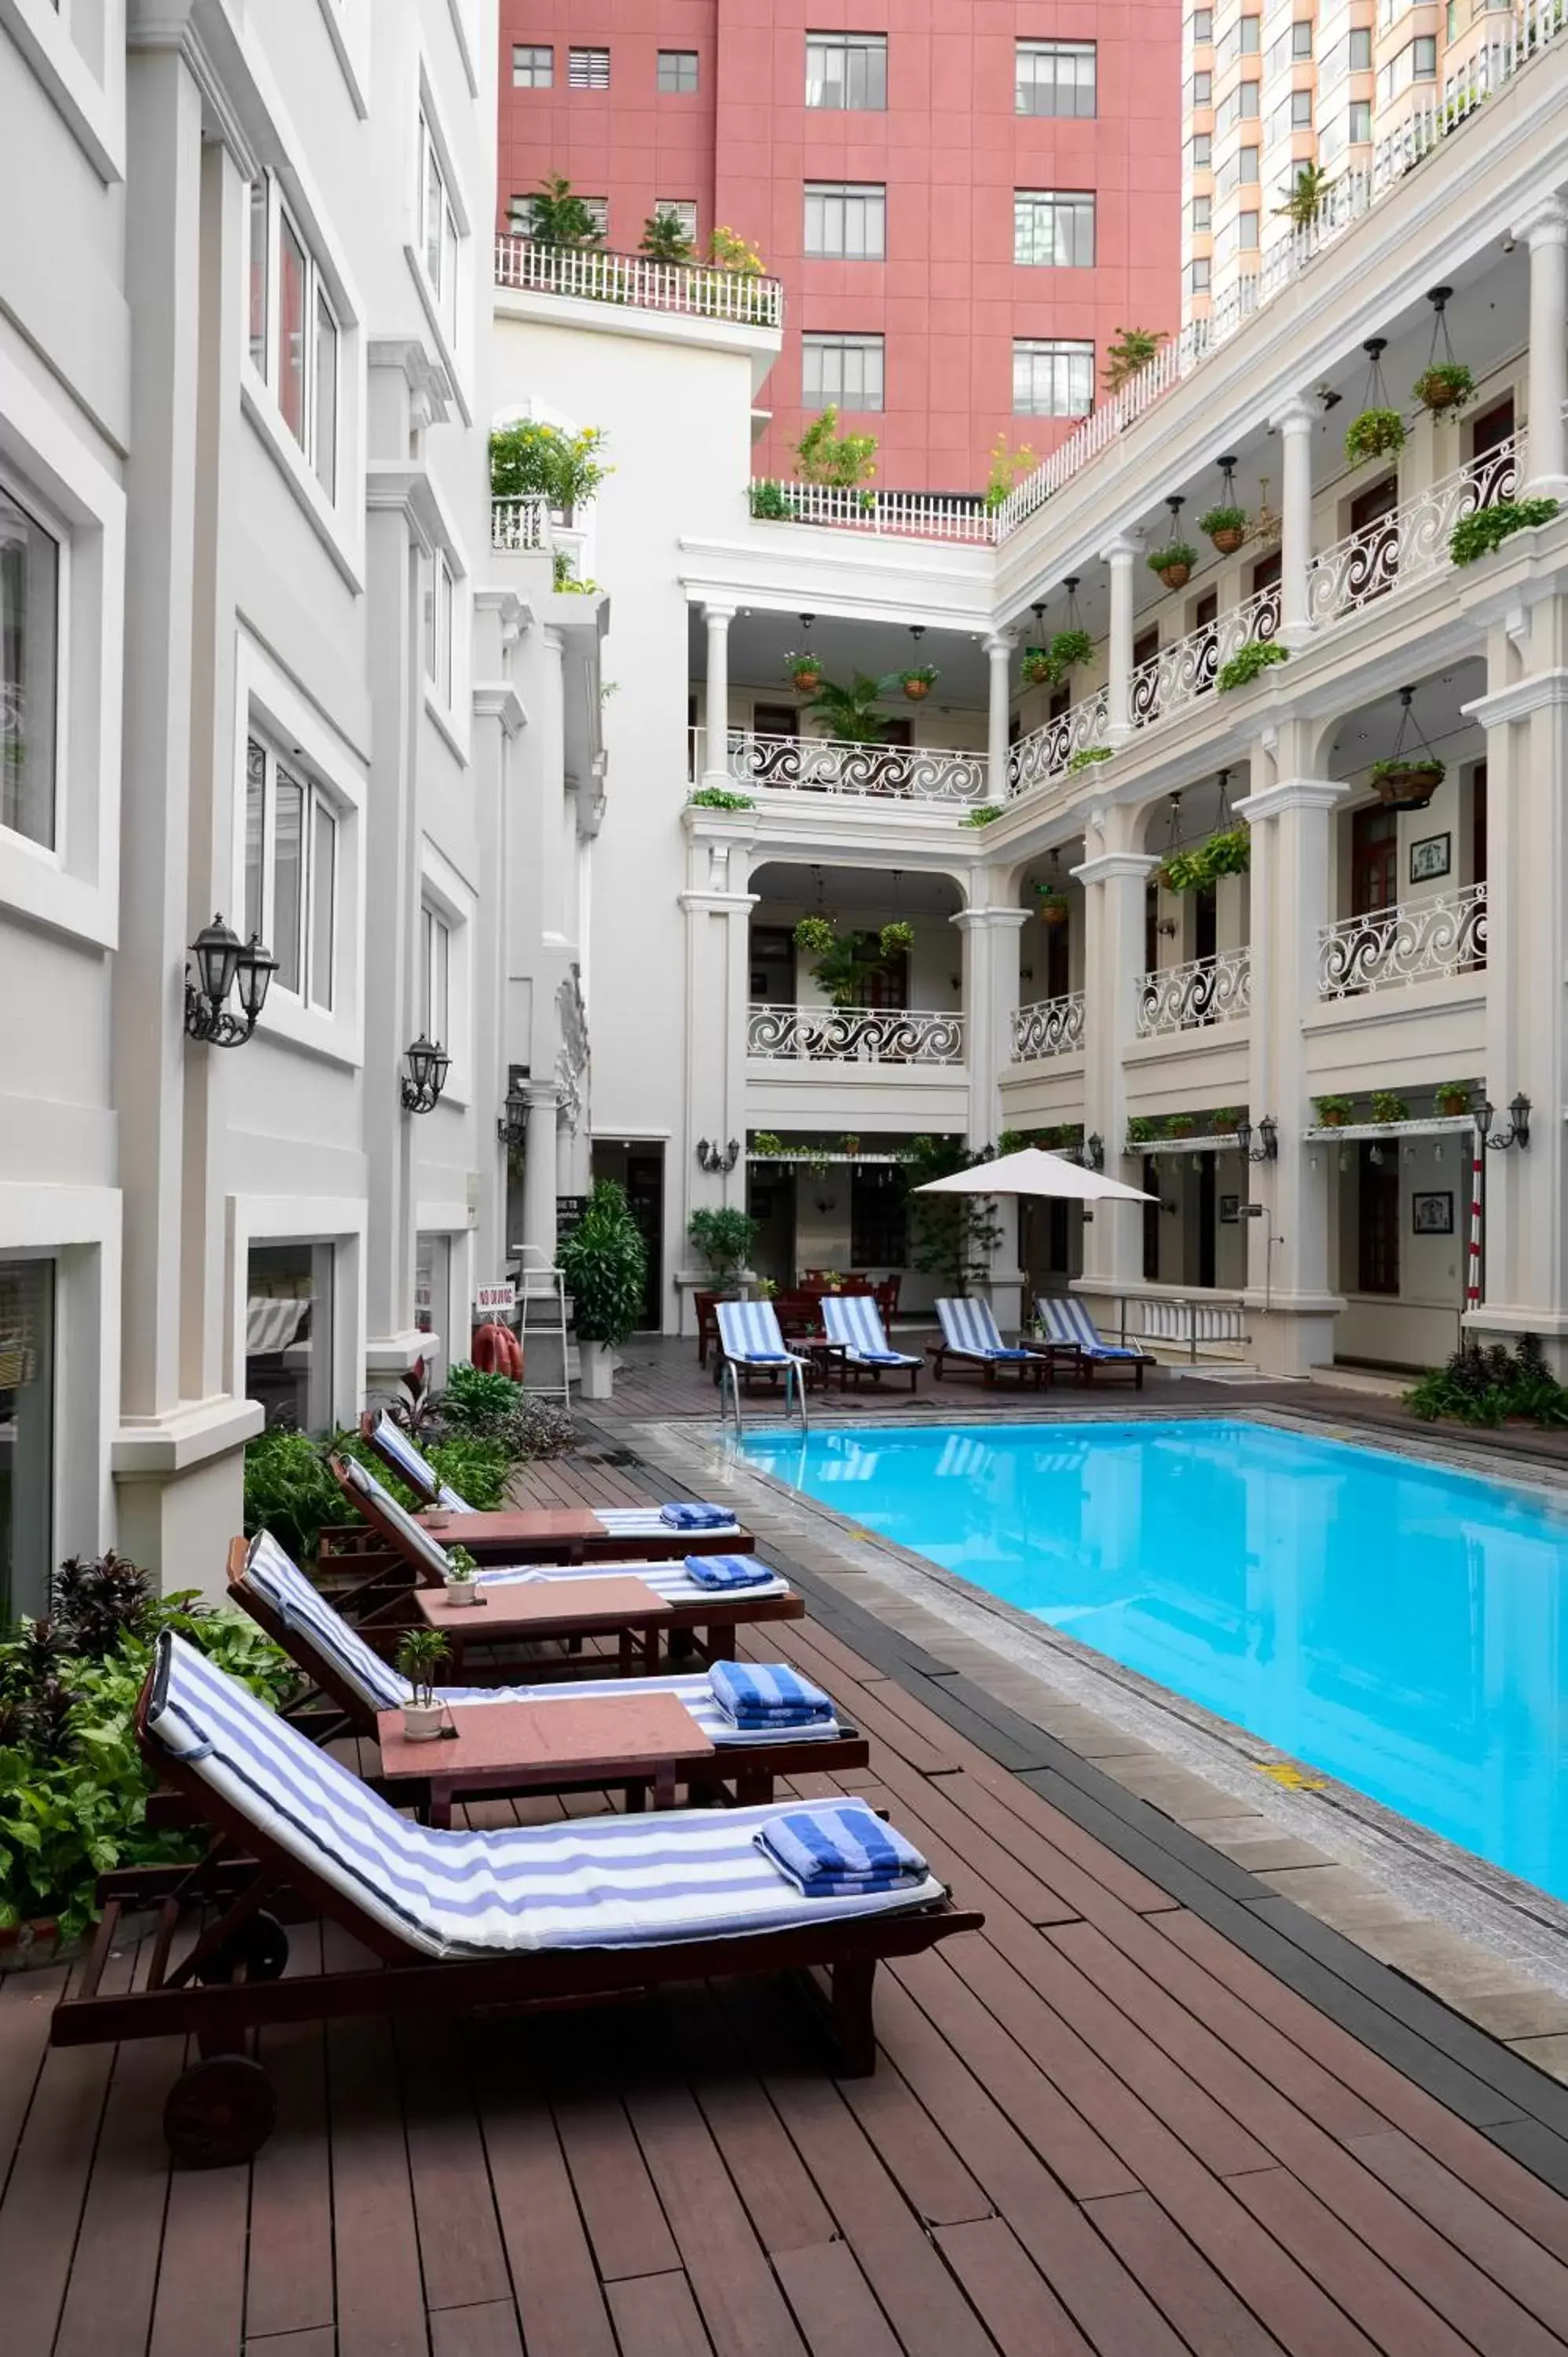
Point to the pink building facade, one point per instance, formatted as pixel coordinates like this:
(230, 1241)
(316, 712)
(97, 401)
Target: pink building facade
(966, 199)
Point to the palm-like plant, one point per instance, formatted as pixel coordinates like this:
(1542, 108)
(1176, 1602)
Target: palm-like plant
(848, 712)
(664, 239)
(1306, 195)
(559, 217)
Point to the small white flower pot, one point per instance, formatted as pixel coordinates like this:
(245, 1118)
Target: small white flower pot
(596, 1370)
(422, 1721)
(462, 1591)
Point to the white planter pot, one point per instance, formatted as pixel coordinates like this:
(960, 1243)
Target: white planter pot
(462, 1591)
(421, 1722)
(598, 1361)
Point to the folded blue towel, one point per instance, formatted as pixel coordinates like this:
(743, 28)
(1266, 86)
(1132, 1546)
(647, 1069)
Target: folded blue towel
(840, 1849)
(768, 1695)
(728, 1571)
(880, 1358)
(692, 1515)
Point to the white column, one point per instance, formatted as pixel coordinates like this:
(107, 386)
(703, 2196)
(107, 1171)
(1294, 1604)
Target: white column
(990, 934)
(1546, 232)
(1295, 424)
(1292, 1297)
(999, 655)
(1121, 556)
(538, 1170)
(1113, 888)
(715, 734)
(719, 976)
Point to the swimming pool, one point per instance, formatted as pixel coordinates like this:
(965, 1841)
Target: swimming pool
(1401, 1626)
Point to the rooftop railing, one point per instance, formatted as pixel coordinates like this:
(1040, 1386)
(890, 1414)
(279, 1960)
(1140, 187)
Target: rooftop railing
(698, 290)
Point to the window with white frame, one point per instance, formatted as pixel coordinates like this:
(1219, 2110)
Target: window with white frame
(677, 72)
(843, 368)
(30, 583)
(1241, 41)
(436, 977)
(684, 210)
(1052, 379)
(1200, 151)
(532, 68)
(588, 68)
(1199, 273)
(1417, 61)
(1360, 40)
(1241, 106)
(1200, 89)
(846, 221)
(439, 604)
(1201, 26)
(1053, 229)
(293, 334)
(1360, 121)
(1202, 214)
(1239, 171)
(439, 235)
(1054, 78)
(847, 71)
(291, 871)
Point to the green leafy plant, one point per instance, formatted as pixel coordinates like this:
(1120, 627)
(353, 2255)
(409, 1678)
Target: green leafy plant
(765, 1142)
(1050, 904)
(1396, 770)
(951, 1236)
(984, 814)
(558, 216)
(1038, 668)
(921, 675)
(1388, 1106)
(1333, 1112)
(1070, 648)
(823, 455)
(290, 1491)
(477, 1400)
(533, 459)
(604, 1260)
(1306, 195)
(421, 1654)
(663, 239)
(1229, 853)
(849, 713)
(724, 1238)
(1477, 536)
(1452, 1097)
(896, 937)
(1376, 433)
(815, 935)
(1489, 1386)
(1226, 526)
(730, 251)
(720, 797)
(1088, 756)
(1008, 469)
(565, 577)
(1447, 384)
(460, 1566)
(1250, 662)
(1224, 1120)
(772, 504)
(1130, 350)
(1177, 556)
(804, 669)
(1141, 1129)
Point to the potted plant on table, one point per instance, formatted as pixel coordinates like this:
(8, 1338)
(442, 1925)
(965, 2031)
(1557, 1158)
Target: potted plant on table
(1333, 1112)
(461, 1584)
(420, 1655)
(604, 1261)
(918, 681)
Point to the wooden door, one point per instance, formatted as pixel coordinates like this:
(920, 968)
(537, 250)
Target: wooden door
(1374, 860)
(1377, 1221)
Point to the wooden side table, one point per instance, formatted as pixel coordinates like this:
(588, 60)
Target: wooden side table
(643, 1743)
(508, 1610)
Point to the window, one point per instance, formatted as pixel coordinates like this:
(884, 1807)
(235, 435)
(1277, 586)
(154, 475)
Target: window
(290, 872)
(292, 331)
(843, 368)
(684, 208)
(1053, 380)
(1200, 151)
(1202, 214)
(26, 1420)
(1199, 273)
(434, 976)
(1301, 110)
(1246, 232)
(1241, 106)
(1052, 229)
(1360, 121)
(588, 68)
(846, 221)
(437, 230)
(1201, 90)
(1054, 78)
(1241, 171)
(677, 70)
(29, 693)
(1200, 26)
(1242, 40)
(259, 243)
(847, 70)
(533, 68)
(1361, 50)
(1417, 61)
(438, 604)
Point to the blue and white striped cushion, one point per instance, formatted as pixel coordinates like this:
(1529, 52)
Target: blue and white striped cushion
(749, 1330)
(768, 1694)
(853, 1319)
(415, 1466)
(671, 1580)
(587, 1882)
(418, 1542)
(1066, 1318)
(969, 1330)
(696, 1692)
(304, 1611)
(648, 1523)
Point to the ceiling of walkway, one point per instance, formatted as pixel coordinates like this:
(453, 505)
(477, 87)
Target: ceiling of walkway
(759, 640)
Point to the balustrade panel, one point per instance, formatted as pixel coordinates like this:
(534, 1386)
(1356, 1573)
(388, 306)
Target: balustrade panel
(1411, 542)
(1418, 940)
(826, 765)
(1051, 1026)
(1205, 990)
(1049, 752)
(856, 1035)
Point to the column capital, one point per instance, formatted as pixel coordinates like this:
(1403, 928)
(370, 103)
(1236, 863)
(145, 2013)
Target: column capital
(1545, 224)
(1534, 692)
(717, 902)
(714, 611)
(1109, 866)
(1292, 794)
(1000, 643)
(1296, 415)
(1122, 549)
(996, 920)
(541, 1097)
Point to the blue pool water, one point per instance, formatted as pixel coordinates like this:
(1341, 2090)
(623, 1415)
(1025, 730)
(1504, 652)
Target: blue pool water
(1402, 1627)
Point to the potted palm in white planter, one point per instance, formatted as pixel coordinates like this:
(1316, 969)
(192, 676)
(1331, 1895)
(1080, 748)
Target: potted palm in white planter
(462, 1587)
(605, 1264)
(420, 1655)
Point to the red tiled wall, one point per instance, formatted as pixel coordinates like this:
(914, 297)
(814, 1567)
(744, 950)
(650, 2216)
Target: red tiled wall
(948, 300)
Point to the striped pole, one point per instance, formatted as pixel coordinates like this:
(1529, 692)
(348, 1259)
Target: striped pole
(1473, 1274)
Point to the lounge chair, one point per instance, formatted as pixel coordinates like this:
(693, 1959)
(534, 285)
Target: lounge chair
(751, 1343)
(685, 1604)
(970, 1335)
(456, 1921)
(514, 1533)
(267, 1584)
(1071, 1330)
(854, 1321)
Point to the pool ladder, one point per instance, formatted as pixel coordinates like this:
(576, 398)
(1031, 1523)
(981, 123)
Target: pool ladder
(730, 1392)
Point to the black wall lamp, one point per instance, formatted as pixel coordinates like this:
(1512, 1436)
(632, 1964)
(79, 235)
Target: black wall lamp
(428, 1065)
(512, 1122)
(717, 1159)
(225, 963)
(1518, 1130)
(1094, 1151)
(1268, 1148)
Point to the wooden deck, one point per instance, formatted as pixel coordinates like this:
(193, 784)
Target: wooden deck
(1101, 2125)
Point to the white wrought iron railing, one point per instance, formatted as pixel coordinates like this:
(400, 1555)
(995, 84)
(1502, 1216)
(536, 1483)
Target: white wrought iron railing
(1186, 669)
(701, 290)
(1417, 940)
(1205, 990)
(831, 765)
(856, 1034)
(1411, 542)
(922, 515)
(1050, 751)
(518, 525)
(1051, 1026)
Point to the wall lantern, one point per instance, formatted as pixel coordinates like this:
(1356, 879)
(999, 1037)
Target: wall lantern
(511, 1123)
(1094, 1151)
(428, 1065)
(1268, 1147)
(225, 963)
(1518, 1130)
(717, 1159)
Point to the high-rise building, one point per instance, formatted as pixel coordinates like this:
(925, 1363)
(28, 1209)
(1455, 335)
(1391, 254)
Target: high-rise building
(964, 203)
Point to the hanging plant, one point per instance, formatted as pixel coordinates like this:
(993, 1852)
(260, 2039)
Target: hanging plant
(1376, 433)
(1173, 564)
(1407, 781)
(1051, 905)
(1249, 663)
(1226, 528)
(1230, 853)
(918, 681)
(1069, 647)
(1038, 668)
(1477, 536)
(1447, 384)
(806, 670)
(815, 935)
(896, 937)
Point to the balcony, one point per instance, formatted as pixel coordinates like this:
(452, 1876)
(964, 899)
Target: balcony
(1168, 681)
(907, 515)
(1051, 1026)
(1411, 544)
(1068, 742)
(520, 527)
(1188, 997)
(899, 1036)
(694, 290)
(1417, 940)
(831, 765)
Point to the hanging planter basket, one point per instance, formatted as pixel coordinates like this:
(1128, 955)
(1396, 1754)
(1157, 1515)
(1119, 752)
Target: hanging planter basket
(1445, 386)
(918, 684)
(1226, 527)
(1038, 668)
(1053, 909)
(1173, 564)
(1407, 785)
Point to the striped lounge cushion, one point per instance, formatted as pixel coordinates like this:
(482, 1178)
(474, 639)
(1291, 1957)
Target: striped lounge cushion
(653, 1522)
(671, 1580)
(306, 1613)
(425, 1549)
(587, 1882)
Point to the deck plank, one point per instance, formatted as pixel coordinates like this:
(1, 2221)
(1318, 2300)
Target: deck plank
(656, 2316)
(559, 2296)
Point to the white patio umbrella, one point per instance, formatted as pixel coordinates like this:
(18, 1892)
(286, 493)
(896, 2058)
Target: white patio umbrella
(1034, 1172)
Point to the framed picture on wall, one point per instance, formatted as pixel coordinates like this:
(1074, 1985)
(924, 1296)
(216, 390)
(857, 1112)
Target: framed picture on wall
(1432, 1215)
(1430, 858)
(1230, 1211)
